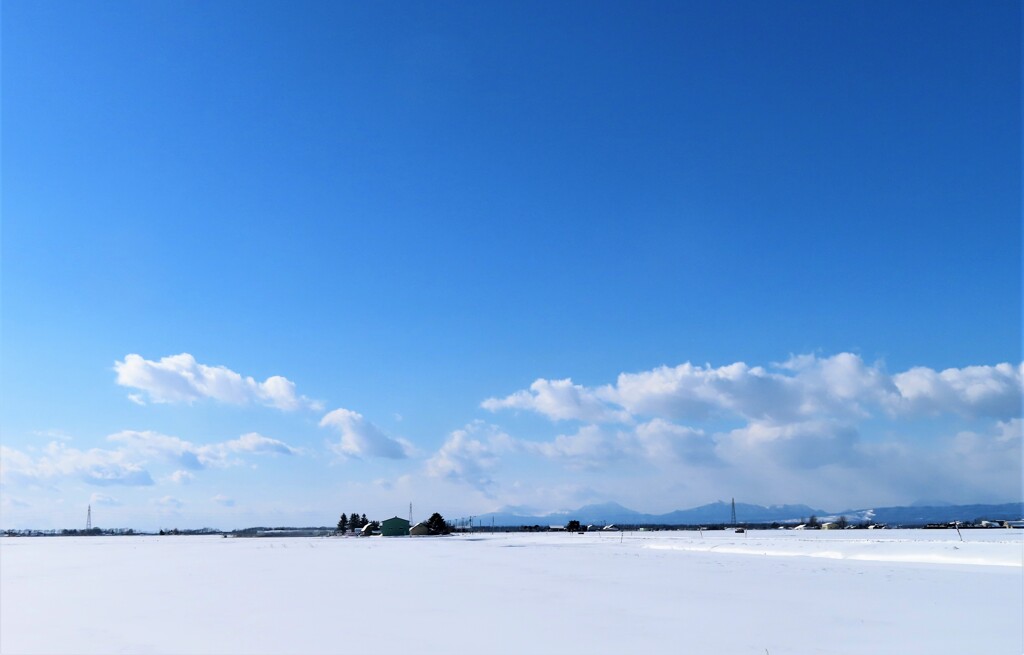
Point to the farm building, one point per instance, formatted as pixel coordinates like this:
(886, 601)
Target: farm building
(419, 530)
(394, 527)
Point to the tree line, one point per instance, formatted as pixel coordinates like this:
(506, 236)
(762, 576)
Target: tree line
(436, 523)
(355, 522)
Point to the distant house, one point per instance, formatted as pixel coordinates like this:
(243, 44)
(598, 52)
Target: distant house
(394, 527)
(610, 528)
(419, 530)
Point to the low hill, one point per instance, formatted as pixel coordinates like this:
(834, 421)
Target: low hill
(720, 512)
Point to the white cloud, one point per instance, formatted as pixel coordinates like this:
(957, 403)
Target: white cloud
(147, 444)
(1000, 449)
(469, 455)
(53, 435)
(803, 387)
(169, 502)
(472, 454)
(658, 442)
(801, 445)
(800, 424)
(661, 441)
(126, 464)
(361, 438)
(193, 457)
(181, 379)
(993, 391)
(181, 477)
(806, 387)
(688, 391)
(253, 442)
(95, 466)
(103, 500)
(589, 448)
(559, 400)
(223, 500)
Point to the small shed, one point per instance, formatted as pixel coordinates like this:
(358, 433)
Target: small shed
(420, 530)
(394, 527)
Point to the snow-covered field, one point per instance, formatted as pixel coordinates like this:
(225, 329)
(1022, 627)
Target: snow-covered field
(780, 592)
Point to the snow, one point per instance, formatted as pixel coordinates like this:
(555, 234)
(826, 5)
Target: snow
(781, 592)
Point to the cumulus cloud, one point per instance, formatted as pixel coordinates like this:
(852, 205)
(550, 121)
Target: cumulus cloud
(841, 387)
(559, 400)
(126, 463)
(993, 391)
(361, 438)
(95, 466)
(662, 441)
(657, 441)
(998, 449)
(469, 455)
(191, 456)
(803, 416)
(589, 448)
(147, 444)
(472, 454)
(181, 379)
(801, 445)
(803, 387)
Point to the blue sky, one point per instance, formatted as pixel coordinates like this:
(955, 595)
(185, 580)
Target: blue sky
(265, 263)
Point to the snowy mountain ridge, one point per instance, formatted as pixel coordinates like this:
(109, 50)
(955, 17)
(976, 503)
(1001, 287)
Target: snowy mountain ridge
(721, 512)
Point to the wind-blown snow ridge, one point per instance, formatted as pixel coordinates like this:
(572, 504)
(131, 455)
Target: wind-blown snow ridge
(988, 553)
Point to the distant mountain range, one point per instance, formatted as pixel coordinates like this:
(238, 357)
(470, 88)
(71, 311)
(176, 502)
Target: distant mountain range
(720, 512)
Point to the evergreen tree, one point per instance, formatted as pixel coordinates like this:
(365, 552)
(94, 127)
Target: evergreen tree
(437, 525)
(343, 523)
(354, 521)
(573, 526)
(363, 520)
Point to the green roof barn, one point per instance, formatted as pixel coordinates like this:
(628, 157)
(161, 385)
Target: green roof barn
(394, 527)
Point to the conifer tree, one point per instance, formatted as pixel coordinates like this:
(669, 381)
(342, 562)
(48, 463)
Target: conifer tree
(437, 525)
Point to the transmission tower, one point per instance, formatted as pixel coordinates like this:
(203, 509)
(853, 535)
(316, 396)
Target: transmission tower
(734, 512)
(88, 519)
